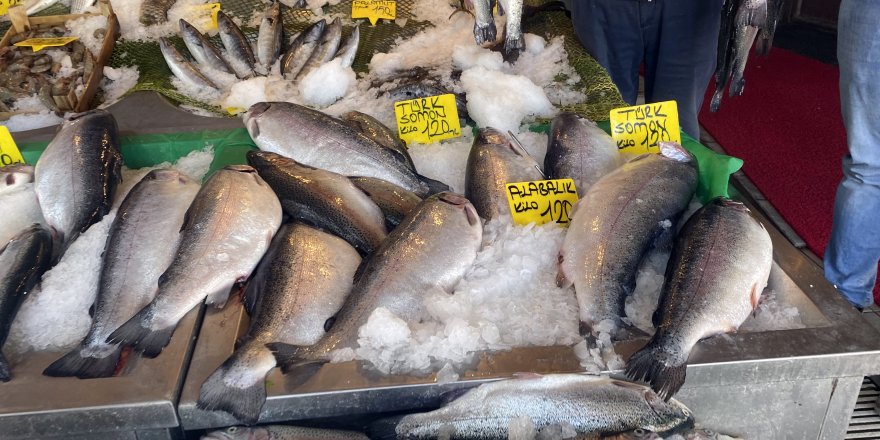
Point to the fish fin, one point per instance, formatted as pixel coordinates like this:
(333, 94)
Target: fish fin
(134, 334)
(289, 358)
(77, 364)
(754, 297)
(561, 279)
(5, 373)
(384, 429)
(243, 403)
(218, 299)
(485, 34)
(328, 324)
(663, 371)
(433, 186)
(716, 99)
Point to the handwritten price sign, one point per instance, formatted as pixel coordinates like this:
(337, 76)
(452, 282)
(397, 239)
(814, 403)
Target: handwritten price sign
(640, 129)
(426, 120)
(6, 4)
(373, 10)
(542, 201)
(9, 153)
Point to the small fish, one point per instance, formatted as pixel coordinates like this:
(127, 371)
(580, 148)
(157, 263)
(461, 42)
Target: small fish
(301, 49)
(226, 231)
(326, 49)
(750, 18)
(23, 259)
(17, 189)
(395, 202)
(269, 38)
(238, 48)
(282, 432)
(183, 69)
(155, 11)
(514, 43)
(719, 266)
(484, 24)
(348, 51)
(578, 149)
(377, 131)
(204, 52)
(591, 406)
(495, 161)
(725, 53)
(304, 280)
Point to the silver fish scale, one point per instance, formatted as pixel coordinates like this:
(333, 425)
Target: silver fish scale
(578, 149)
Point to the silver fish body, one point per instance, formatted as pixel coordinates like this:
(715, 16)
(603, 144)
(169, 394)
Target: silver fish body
(226, 231)
(348, 51)
(155, 11)
(322, 198)
(325, 50)
(328, 143)
(141, 245)
(591, 405)
(494, 161)
(578, 149)
(301, 49)
(725, 52)
(484, 22)
(181, 67)
(204, 52)
(302, 283)
(615, 223)
(17, 189)
(23, 259)
(514, 43)
(719, 266)
(76, 175)
(269, 37)
(751, 16)
(238, 48)
(395, 202)
(282, 432)
(431, 249)
(377, 131)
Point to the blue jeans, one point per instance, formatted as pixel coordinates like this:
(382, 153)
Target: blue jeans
(854, 250)
(675, 39)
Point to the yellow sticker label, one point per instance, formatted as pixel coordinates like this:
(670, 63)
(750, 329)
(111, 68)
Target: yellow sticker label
(9, 153)
(373, 10)
(427, 120)
(38, 44)
(640, 129)
(6, 4)
(203, 21)
(542, 201)
(235, 110)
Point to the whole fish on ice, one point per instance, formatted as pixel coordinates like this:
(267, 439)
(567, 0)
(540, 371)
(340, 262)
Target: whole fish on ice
(17, 189)
(204, 52)
(348, 51)
(182, 68)
(238, 49)
(301, 49)
(377, 131)
(578, 149)
(269, 39)
(719, 266)
(325, 50)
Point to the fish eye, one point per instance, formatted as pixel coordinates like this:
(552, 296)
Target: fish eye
(639, 432)
(232, 429)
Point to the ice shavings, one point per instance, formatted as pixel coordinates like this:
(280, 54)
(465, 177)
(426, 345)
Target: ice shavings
(117, 82)
(88, 30)
(33, 114)
(773, 314)
(436, 12)
(445, 161)
(326, 84)
(496, 99)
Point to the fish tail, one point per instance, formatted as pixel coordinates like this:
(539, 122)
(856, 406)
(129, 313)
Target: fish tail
(664, 371)
(219, 391)
(293, 363)
(434, 186)
(77, 364)
(137, 334)
(5, 374)
(716, 100)
(485, 32)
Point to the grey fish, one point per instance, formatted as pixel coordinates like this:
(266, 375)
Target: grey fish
(394, 201)
(322, 198)
(301, 49)
(615, 223)
(204, 52)
(494, 161)
(155, 11)
(269, 37)
(590, 405)
(719, 266)
(238, 48)
(140, 246)
(514, 43)
(328, 143)
(17, 189)
(76, 175)
(325, 51)
(226, 231)
(377, 131)
(484, 23)
(181, 68)
(578, 149)
(282, 432)
(304, 280)
(348, 51)
(725, 53)
(431, 249)
(751, 16)
(413, 90)
(23, 259)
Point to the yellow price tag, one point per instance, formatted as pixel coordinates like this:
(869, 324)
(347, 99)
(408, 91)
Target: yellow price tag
(9, 153)
(38, 44)
(426, 120)
(235, 110)
(542, 201)
(640, 129)
(6, 4)
(202, 22)
(373, 10)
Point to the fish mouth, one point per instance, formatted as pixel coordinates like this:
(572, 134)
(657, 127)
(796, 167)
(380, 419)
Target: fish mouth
(258, 109)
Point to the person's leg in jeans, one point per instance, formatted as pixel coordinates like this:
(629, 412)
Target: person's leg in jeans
(854, 250)
(609, 31)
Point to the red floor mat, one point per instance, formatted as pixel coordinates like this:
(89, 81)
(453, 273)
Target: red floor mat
(787, 128)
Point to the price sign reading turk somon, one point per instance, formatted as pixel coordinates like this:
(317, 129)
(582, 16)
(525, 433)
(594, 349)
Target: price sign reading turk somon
(640, 128)
(542, 201)
(9, 153)
(427, 120)
(373, 10)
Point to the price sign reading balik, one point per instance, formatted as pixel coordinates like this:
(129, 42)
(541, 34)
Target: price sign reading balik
(373, 10)
(38, 44)
(542, 201)
(640, 128)
(9, 153)
(426, 120)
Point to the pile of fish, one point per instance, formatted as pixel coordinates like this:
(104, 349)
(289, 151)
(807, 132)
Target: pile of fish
(743, 22)
(317, 44)
(25, 73)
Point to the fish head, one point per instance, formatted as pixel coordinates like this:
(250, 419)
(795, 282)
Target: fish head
(672, 416)
(491, 135)
(239, 433)
(252, 117)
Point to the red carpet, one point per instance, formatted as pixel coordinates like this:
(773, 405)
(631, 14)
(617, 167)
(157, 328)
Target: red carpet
(787, 128)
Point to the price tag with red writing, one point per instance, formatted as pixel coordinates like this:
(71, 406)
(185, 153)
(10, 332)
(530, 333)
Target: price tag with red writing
(427, 120)
(373, 10)
(9, 153)
(542, 201)
(640, 129)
